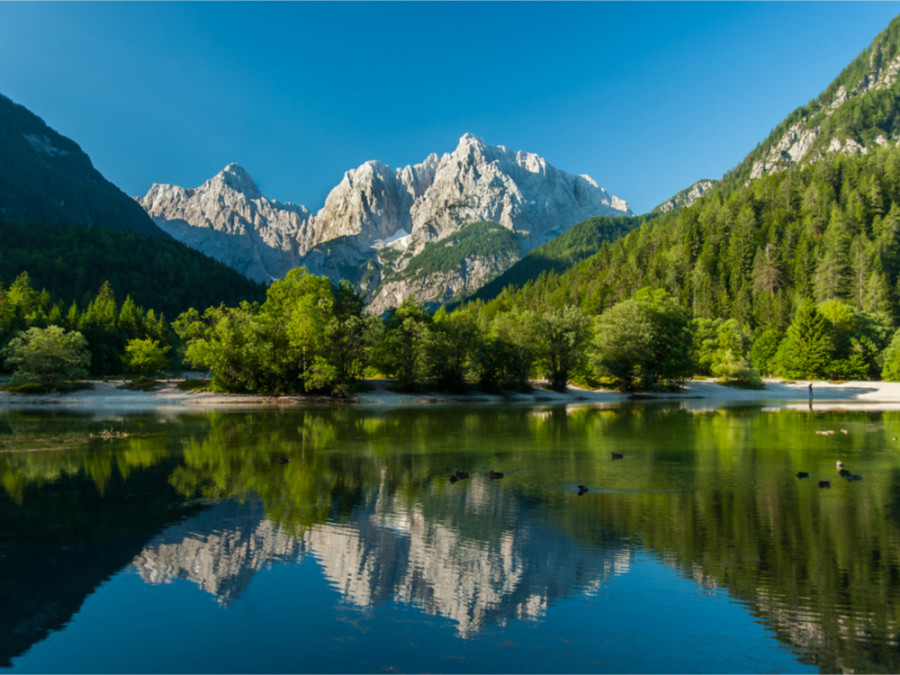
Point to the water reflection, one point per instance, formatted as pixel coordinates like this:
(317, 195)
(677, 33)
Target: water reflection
(217, 498)
(390, 551)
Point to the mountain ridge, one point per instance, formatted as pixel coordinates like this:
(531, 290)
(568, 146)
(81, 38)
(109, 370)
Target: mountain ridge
(376, 220)
(47, 177)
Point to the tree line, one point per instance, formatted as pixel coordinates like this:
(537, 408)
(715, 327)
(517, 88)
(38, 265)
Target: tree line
(311, 336)
(796, 275)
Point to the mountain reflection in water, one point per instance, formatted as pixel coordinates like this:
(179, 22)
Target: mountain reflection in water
(221, 499)
(388, 551)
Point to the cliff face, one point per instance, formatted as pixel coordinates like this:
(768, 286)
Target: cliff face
(377, 221)
(229, 220)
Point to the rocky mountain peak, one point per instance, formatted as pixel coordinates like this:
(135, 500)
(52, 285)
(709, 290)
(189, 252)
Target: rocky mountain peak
(377, 219)
(238, 179)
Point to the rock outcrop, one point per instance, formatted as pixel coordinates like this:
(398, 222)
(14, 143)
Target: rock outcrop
(229, 220)
(686, 197)
(377, 220)
(808, 135)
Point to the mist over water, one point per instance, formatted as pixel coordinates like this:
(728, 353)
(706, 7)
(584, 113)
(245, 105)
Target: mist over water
(333, 540)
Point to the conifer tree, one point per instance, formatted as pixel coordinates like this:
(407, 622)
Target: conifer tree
(806, 350)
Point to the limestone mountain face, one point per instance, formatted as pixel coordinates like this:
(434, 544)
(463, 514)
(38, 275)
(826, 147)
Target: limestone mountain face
(229, 220)
(686, 197)
(378, 223)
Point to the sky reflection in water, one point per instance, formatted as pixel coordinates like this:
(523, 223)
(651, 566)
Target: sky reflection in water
(199, 549)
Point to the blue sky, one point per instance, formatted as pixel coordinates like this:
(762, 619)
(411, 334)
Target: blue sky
(645, 97)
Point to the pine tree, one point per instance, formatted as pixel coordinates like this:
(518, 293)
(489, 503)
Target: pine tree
(807, 348)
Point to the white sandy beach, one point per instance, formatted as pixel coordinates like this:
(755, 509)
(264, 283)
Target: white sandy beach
(109, 396)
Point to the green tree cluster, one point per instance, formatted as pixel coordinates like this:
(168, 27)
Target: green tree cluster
(308, 337)
(46, 356)
(106, 326)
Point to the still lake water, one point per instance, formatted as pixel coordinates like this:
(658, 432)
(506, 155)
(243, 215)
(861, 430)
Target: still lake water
(332, 540)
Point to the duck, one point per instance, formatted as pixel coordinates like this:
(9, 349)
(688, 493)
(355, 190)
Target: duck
(617, 455)
(824, 483)
(846, 473)
(494, 475)
(581, 490)
(283, 460)
(803, 474)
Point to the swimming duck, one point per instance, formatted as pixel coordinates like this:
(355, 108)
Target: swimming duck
(846, 473)
(824, 483)
(581, 490)
(803, 474)
(494, 475)
(617, 455)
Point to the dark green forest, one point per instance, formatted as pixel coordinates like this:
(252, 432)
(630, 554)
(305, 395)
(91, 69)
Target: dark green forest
(72, 262)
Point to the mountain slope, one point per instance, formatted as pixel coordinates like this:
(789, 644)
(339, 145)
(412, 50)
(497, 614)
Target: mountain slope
(857, 113)
(72, 263)
(71, 229)
(686, 197)
(46, 177)
(229, 220)
(377, 220)
(813, 211)
(579, 242)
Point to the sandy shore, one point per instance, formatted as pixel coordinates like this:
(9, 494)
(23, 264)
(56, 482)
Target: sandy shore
(109, 396)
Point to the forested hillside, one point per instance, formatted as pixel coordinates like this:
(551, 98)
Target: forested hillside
(46, 177)
(857, 113)
(574, 245)
(72, 262)
(827, 231)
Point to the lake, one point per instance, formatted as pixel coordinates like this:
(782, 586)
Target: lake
(332, 540)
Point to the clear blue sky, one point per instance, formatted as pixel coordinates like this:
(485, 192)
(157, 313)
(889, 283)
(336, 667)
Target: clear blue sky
(645, 97)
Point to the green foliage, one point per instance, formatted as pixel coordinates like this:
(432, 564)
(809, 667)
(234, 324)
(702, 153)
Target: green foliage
(146, 356)
(45, 356)
(560, 335)
(891, 368)
(762, 354)
(559, 254)
(307, 337)
(401, 349)
(644, 341)
(722, 350)
(505, 352)
(751, 252)
(806, 350)
(448, 349)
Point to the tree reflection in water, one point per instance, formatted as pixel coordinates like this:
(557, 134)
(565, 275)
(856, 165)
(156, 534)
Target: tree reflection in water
(712, 494)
